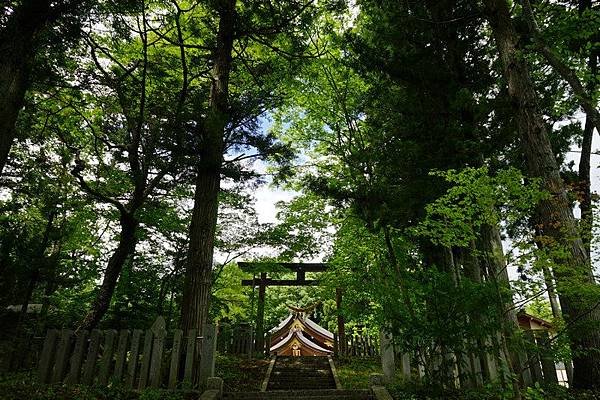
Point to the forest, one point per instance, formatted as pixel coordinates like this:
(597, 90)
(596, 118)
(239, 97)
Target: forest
(439, 156)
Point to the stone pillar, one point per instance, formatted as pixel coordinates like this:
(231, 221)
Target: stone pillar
(387, 356)
(405, 365)
(209, 352)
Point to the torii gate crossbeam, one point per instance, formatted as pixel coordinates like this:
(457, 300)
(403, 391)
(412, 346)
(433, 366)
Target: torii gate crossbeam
(300, 269)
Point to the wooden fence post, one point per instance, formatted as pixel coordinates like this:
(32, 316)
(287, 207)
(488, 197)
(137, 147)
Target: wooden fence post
(133, 358)
(207, 359)
(107, 354)
(146, 355)
(89, 368)
(77, 357)
(62, 355)
(47, 359)
(121, 355)
(156, 361)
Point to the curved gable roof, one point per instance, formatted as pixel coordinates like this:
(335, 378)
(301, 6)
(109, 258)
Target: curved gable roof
(302, 339)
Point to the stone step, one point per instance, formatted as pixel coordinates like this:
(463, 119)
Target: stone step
(308, 381)
(280, 385)
(326, 394)
(315, 372)
(285, 386)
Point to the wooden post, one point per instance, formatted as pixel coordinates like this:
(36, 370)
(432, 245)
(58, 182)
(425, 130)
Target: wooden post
(62, 355)
(209, 349)
(89, 368)
(77, 358)
(156, 360)
(47, 358)
(340, 322)
(133, 358)
(268, 345)
(107, 354)
(260, 313)
(121, 355)
(146, 355)
(250, 342)
(336, 350)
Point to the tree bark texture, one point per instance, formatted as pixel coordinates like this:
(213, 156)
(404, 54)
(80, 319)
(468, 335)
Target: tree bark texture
(198, 274)
(17, 52)
(573, 270)
(584, 189)
(124, 250)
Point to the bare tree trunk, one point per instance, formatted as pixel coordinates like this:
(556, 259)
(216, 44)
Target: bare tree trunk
(585, 193)
(16, 56)
(198, 274)
(124, 249)
(549, 280)
(573, 270)
(494, 263)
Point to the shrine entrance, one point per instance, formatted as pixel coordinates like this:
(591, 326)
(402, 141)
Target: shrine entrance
(263, 281)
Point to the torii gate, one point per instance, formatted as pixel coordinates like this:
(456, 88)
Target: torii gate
(300, 269)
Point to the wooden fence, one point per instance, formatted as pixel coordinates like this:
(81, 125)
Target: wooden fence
(357, 345)
(136, 359)
(477, 366)
(235, 339)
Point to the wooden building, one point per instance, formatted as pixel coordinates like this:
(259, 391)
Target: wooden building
(298, 335)
(530, 322)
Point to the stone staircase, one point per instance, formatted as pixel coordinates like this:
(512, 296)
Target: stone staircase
(301, 373)
(303, 378)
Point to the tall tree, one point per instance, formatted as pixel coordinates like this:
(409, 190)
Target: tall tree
(198, 273)
(278, 32)
(556, 220)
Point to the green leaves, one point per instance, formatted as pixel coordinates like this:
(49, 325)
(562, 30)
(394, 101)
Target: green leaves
(477, 198)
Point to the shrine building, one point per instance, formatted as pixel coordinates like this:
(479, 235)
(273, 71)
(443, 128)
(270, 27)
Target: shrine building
(297, 335)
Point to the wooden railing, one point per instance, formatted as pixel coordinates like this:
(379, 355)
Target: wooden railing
(135, 359)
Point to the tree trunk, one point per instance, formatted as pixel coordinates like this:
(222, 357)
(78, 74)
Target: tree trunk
(125, 249)
(198, 274)
(585, 193)
(492, 259)
(17, 52)
(573, 270)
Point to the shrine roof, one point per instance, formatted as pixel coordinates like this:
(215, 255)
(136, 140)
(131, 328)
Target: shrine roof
(302, 339)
